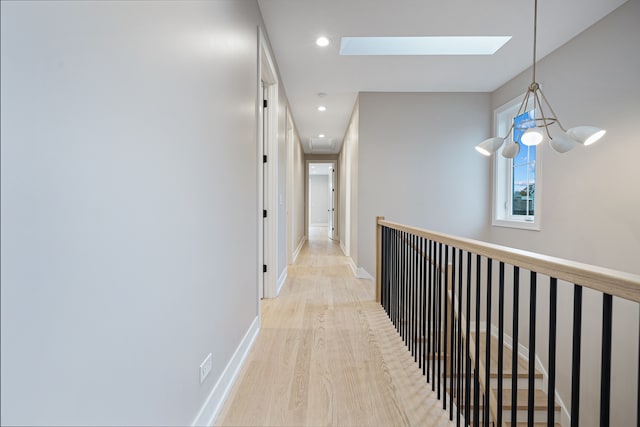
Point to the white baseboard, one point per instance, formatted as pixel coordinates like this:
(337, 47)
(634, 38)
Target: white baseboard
(359, 272)
(343, 248)
(354, 267)
(299, 248)
(281, 280)
(213, 404)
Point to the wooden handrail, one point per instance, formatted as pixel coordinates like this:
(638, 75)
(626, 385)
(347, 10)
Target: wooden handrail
(613, 282)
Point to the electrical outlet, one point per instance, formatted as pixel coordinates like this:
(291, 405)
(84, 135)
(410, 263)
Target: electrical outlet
(205, 367)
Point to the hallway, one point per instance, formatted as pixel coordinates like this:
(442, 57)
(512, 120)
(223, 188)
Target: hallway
(328, 355)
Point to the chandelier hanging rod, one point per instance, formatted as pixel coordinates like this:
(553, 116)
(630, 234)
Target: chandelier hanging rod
(562, 142)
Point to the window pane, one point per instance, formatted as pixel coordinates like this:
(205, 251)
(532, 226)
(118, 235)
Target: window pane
(524, 169)
(523, 191)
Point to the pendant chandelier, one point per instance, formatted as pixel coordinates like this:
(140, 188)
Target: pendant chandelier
(536, 127)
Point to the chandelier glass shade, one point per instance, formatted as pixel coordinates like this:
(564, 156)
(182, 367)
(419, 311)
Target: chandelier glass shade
(538, 128)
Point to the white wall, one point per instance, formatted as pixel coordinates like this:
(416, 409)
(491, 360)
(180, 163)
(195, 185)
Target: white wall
(295, 190)
(299, 192)
(348, 185)
(591, 196)
(129, 202)
(417, 164)
(318, 199)
(281, 196)
(342, 199)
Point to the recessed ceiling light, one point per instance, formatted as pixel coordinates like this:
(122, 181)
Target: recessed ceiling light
(437, 45)
(321, 135)
(322, 41)
(322, 108)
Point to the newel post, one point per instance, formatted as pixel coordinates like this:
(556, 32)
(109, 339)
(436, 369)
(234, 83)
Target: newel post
(378, 258)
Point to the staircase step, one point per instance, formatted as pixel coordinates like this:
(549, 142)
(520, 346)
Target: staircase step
(534, 424)
(436, 356)
(522, 380)
(523, 365)
(539, 400)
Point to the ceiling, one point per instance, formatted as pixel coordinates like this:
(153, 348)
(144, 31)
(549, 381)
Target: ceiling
(307, 70)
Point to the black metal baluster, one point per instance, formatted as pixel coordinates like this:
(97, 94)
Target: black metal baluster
(605, 381)
(532, 348)
(436, 316)
(387, 275)
(439, 317)
(514, 352)
(459, 366)
(423, 285)
(401, 314)
(410, 292)
(414, 305)
(382, 254)
(467, 371)
(392, 280)
(407, 306)
(396, 305)
(452, 335)
(398, 272)
(487, 372)
(403, 291)
(476, 391)
(551, 392)
(429, 316)
(383, 267)
(416, 295)
(575, 363)
(416, 261)
(445, 321)
(413, 297)
(395, 279)
(408, 286)
(389, 269)
(416, 334)
(397, 282)
(500, 339)
(419, 302)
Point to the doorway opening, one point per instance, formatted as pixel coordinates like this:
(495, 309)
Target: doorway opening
(322, 209)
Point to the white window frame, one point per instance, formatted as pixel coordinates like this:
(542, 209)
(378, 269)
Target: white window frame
(502, 175)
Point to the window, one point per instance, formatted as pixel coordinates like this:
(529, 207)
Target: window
(517, 186)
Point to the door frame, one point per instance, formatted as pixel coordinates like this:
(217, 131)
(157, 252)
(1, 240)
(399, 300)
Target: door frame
(267, 172)
(336, 196)
(291, 209)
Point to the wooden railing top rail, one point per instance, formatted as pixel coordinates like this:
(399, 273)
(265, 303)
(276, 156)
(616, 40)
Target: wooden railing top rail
(613, 282)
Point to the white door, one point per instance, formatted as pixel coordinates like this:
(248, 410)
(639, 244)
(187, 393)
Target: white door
(265, 193)
(332, 202)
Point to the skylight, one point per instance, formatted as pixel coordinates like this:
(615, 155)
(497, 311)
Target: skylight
(433, 45)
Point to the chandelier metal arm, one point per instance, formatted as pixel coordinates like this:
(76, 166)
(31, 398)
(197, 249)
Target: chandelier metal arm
(546, 122)
(520, 111)
(555, 116)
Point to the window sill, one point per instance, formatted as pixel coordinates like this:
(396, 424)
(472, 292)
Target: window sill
(512, 223)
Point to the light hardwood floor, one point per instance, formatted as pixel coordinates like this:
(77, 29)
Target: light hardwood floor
(327, 354)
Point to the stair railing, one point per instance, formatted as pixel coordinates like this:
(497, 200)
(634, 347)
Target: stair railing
(428, 283)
